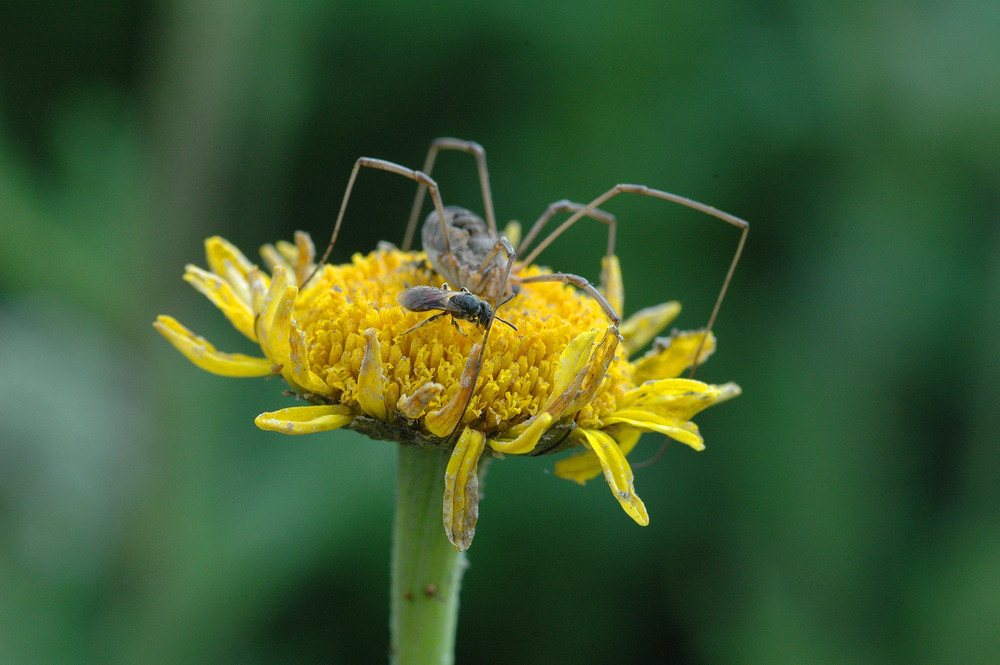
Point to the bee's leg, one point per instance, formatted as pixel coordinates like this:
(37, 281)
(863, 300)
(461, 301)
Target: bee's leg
(426, 321)
(470, 147)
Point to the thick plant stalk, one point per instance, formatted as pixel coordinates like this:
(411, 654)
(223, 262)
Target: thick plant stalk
(426, 568)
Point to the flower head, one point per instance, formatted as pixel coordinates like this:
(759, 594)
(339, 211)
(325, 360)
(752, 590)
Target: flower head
(349, 349)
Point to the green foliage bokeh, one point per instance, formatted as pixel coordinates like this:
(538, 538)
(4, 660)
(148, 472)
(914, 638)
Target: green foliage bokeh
(847, 508)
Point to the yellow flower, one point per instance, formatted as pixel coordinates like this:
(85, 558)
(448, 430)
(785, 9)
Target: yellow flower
(561, 380)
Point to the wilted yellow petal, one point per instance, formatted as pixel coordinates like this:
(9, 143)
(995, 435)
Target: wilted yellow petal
(218, 250)
(572, 359)
(371, 380)
(672, 355)
(667, 390)
(579, 468)
(513, 232)
(727, 391)
(667, 406)
(683, 431)
(617, 472)
(258, 284)
(199, 351)
(597, 369)
(298, 364)
(273, 258)
(461, 489)
(443, 421)
(303, 260)
(305, 419)
(586, 465)
(278, 346)
(591, 364)
(415, 405)
(612, 285)
(222, 296)
(646, 324)
(229, 263)
(276, 293)
(527, 439)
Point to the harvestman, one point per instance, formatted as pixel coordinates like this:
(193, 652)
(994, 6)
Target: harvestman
(466, 250)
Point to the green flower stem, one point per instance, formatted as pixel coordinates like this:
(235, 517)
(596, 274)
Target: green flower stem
(426, 568)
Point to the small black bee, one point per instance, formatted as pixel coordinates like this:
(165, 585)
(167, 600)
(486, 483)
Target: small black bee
(462, 304)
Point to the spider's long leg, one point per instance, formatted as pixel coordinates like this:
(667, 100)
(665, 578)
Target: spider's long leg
(447, 143)
(568, 206)
(580, 283)
(674, 198)
(420, 177)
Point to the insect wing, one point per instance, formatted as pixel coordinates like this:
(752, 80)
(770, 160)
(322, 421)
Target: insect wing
(427, 298)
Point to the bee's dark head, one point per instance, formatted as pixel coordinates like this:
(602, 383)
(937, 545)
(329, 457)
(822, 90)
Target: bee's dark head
(483, 313)
(471, 308)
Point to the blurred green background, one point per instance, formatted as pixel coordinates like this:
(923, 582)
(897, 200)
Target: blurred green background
(847, 508)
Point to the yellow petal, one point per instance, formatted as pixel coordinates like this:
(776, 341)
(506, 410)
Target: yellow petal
(513, 232)
(274, 322)
(276, 292)
(305, 419)
(728, 391)
(627, 437)
(371, 380)
(597, 369)
(683, 431)
(672, 355)
(257, 284)
(280, 332)
(586, 465)
(199, 351)
(591, 366)
(461, 489)
(219, 250)
(617, 472)
(222, 296)
(298, 361)
(579, 468)
(273, 258)
(229, 263)
(667, 406)
(612, 285)
(572, 359)
(527, 440)
(443, 421)
(303, 262)
(415, 405)
(663, 390)
(646, 324)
